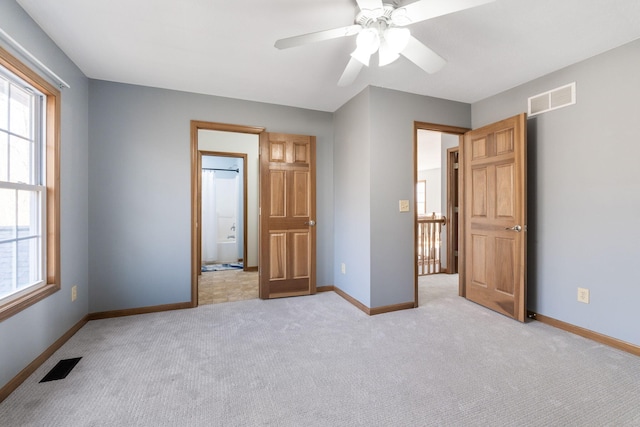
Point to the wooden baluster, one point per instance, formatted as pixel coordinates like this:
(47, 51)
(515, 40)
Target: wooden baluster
(420, 259)
(423, 247)
(429, 256)
(439, 242)
(425, 258)
(432, 246)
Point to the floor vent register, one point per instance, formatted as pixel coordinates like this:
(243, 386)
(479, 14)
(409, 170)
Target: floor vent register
(61, 370)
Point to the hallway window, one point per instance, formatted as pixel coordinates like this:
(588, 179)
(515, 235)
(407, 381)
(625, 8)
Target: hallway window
(421, 197)
(29, 231)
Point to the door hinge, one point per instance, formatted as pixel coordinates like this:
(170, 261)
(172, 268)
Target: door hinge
(456, 165)
(455, 253)
(455, 209)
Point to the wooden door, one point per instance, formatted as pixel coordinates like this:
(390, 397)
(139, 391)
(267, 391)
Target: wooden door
(453, 206)
(495, 216)
(287, 215)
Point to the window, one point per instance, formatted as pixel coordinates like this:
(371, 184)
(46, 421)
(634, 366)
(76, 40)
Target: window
(421, 197)
(29, 213)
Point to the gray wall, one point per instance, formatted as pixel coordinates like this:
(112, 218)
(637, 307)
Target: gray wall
(392, 138)
(26, 335)
(140, 216)
(352, 195)
(373, 167)
(584, 196)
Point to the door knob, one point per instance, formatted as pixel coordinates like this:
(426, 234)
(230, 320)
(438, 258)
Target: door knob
(515, 228)
(310, 223)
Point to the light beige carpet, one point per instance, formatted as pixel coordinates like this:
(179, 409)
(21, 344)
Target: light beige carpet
(319, 361)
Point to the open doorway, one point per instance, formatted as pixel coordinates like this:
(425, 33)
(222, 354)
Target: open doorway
(225, 274)
(225, 178)
(433, 200)
(223, 237)
(436, 199)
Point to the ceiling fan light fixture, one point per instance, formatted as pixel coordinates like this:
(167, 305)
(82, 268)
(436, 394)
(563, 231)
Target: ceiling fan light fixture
(368, 40)
(380, 26)
(399, 17)
(397, 38)
(386, 55)
(372, 13)
(361, 55)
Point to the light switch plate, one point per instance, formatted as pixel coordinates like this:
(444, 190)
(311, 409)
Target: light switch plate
(404, 206)
(583, 295)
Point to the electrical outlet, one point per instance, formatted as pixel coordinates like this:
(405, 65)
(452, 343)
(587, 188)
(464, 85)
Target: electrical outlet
(583, 295)
(403, 205)
(343, 268)
(74, 292)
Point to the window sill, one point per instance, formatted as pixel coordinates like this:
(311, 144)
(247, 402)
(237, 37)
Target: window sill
(20, 303)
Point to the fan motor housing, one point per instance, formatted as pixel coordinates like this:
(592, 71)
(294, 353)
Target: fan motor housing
(368, 18)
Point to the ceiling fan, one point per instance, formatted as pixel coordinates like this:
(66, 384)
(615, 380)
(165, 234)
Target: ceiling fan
(381, 27)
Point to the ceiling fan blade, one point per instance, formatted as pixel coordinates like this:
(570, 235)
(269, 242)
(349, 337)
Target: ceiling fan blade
(350, 72)
(318, 36)
(427, 9)
(422, 56)
(369, 4)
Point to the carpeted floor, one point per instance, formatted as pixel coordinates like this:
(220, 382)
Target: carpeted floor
(319, 361)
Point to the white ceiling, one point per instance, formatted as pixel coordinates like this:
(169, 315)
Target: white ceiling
(225, 48)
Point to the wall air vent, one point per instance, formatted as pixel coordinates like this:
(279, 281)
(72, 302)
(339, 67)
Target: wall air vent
(552, 100)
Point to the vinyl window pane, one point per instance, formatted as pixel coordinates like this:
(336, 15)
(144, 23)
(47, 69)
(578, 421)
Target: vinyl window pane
(28, 262)
(20, 117)
(4, 104)
(7, 263)
(421, 197)
(28, 223)
(8, 225)
(20, 160)
(4, 156)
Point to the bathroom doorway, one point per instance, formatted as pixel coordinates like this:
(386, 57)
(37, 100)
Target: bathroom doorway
(225, 199)
(223, 184)
(225, 274)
